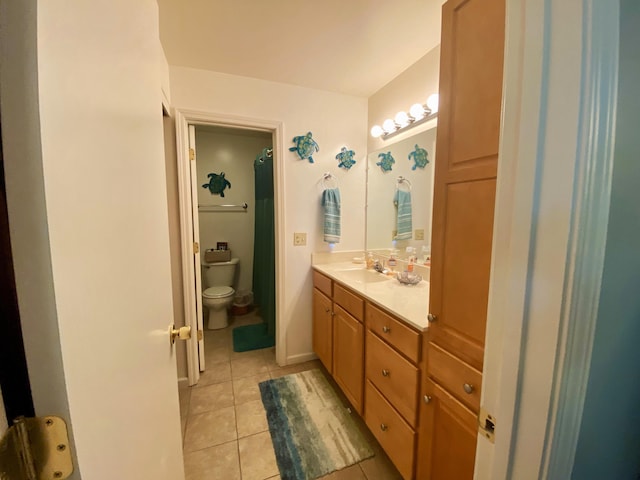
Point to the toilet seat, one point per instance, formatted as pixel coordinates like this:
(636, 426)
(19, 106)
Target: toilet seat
(217, 292)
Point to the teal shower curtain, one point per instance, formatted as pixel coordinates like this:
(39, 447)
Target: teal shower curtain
(264, 265)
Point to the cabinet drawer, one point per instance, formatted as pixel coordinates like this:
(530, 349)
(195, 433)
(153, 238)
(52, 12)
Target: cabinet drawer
(322, 283)
(453, 374)
(394, 376)
(403, 338)
(394, 434)
(351, 302)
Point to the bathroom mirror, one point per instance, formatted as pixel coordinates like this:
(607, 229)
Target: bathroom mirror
(381, 218)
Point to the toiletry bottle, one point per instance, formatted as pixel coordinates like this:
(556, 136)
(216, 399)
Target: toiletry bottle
(370, 260)
(410, 263)
(426, 255)
(392, 261)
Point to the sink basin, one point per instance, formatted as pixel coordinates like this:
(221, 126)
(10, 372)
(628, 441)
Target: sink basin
(363, 276)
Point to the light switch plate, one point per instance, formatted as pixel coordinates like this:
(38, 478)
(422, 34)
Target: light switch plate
(299, 239)
(419, 234)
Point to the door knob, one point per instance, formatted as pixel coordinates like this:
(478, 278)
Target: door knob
(468, 388)
(432, 318)
(183, 333)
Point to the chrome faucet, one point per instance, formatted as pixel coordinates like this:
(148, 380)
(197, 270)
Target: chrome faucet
(378, 267)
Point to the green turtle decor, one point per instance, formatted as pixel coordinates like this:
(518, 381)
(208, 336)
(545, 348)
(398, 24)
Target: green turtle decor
(346, 158)
(387, 161)
(419, 156)
(305, 146)
(217, 184)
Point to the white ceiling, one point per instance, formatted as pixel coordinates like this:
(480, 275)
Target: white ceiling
(348, 46)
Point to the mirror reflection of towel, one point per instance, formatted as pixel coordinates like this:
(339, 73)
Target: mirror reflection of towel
(402, 200)
(331, 204)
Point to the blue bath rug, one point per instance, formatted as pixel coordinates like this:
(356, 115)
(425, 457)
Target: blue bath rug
(312, 432)
(252, 337)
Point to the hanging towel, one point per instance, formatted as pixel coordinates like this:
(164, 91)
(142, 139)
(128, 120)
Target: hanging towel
(331, 204)
(402, 200)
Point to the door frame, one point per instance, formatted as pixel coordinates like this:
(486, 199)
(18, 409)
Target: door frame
(552, 205)
(184, 118)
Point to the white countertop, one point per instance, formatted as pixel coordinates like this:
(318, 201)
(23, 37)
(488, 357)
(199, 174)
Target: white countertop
(409, 303)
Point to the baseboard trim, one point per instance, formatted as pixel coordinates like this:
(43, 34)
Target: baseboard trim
(301, 358)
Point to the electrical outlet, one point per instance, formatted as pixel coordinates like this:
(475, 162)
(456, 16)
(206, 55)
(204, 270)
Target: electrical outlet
(419, 234)
(299, 239)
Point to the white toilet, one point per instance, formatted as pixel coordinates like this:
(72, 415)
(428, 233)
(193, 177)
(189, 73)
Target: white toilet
(217, 294)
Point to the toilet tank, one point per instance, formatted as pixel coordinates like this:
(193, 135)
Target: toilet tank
(219, 274)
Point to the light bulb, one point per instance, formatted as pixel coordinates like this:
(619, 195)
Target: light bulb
(389, 125)
(432, 102)
(402, 119)
(416, 111)
(376, 131)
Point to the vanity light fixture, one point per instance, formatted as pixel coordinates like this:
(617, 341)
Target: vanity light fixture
(418, 113)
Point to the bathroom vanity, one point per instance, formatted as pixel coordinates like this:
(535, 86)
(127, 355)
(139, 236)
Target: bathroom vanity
(369, 331)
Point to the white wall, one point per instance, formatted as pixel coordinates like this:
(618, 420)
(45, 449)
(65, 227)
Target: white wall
(413, 85)
(336, 121)
(609, 442)
(232, 152)
(88, 215)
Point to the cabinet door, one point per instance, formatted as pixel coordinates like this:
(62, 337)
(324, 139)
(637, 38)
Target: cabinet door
(323, 329)
(447, 439)
(348, 356)
(471, 65)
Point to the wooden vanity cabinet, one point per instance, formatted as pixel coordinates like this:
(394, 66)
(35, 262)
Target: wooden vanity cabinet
(469, 116)
(392, 352)
(338, 336)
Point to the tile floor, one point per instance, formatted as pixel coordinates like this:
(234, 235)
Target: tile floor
(224, 425)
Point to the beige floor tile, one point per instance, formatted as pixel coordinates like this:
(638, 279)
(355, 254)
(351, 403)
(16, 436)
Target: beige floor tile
(251, 418)
(248, 319)
(350, 473)
(270, 358)
(184, 395)
(183, 427)
(379, 467)
(210, 429)
(215, 373)
(248, 366)
(216, 463)
(217, 354)
(297, 368)
(247, 354)
(257, 459)
(246, 389)
(211, 397)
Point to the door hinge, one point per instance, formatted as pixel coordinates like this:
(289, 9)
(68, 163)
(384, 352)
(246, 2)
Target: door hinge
(36, 449)
(200, 335)
(196, 247)
(487, 425)
(192, 154)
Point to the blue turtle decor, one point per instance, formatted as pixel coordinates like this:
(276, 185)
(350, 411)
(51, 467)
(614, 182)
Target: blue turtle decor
(305, 146)
(419, 156)
(346, 158)
(217, 184)
(387, 161)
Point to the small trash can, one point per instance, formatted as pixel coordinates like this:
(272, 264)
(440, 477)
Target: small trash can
(242, 303)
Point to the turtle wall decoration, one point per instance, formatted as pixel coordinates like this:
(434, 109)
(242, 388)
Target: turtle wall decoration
(305, 146)
(419, 156)
(217, 184)
(387, 161)
(346, 158)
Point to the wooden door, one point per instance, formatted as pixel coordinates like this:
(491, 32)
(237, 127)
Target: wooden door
(323, 329)
(448, 451)
(465, 173)
(348, 356)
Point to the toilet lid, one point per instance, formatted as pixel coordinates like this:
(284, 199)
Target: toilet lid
(217, 292)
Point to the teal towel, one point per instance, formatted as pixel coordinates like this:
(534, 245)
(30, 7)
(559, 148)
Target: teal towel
(331, 204)
(402, 200)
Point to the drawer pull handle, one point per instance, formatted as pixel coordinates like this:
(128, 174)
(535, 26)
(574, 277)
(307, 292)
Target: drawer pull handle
(386, 329)
(468, 388)
(383, 427)
(432, 318)
(427, 399)
(385, 373)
